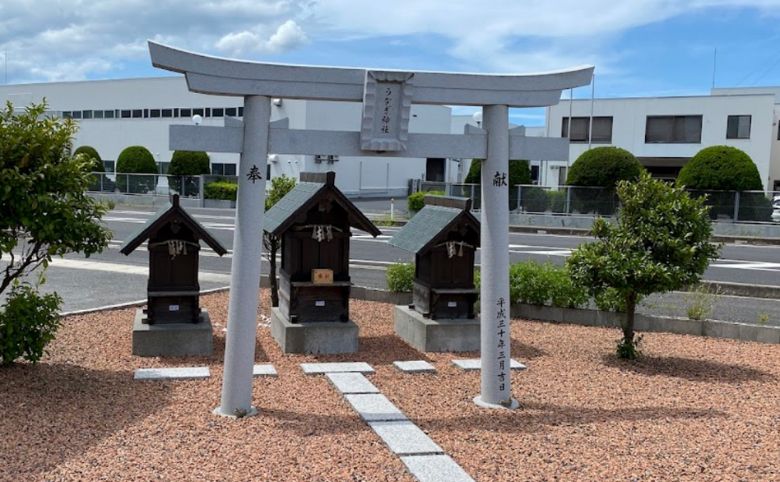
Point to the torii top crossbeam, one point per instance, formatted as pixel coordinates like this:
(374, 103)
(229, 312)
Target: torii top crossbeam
(219, 76)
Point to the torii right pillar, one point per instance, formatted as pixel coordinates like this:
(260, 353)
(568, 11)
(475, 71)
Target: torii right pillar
(496, 390)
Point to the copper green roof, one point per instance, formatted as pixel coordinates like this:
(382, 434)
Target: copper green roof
(430, 223)
(303, 197)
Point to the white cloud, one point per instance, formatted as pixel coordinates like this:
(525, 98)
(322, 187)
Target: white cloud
(286, 37)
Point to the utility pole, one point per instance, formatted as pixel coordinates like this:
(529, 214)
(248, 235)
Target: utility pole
(714, 65)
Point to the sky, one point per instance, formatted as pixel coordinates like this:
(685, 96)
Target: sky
(639, 47)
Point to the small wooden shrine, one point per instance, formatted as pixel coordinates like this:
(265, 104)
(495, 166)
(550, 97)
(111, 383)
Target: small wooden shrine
(313, 222)
(174, 245)
(444, 236)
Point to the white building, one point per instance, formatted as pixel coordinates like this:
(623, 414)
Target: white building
(114, 114)
(665, 132)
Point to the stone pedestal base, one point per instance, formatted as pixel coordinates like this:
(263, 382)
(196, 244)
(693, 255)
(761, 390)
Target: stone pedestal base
(172, 339)
(323, 338)
(424, 334)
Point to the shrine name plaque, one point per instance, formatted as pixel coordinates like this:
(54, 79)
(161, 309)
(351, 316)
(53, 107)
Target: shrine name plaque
(387, 103)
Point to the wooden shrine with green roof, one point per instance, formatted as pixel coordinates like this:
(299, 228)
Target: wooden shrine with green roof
(314, 222)
(444, 237)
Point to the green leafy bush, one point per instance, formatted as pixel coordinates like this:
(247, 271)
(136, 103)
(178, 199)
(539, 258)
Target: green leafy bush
(135, 160)
(533, 199)
(726, 168)
(28, 322)
(224, 190)
(187, 163)
(557, 201)
(519, 172)
(400, 277)
(544, 284)
(416, 201)
(90, 153)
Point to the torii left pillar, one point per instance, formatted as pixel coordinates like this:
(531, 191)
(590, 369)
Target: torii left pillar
(236, 398)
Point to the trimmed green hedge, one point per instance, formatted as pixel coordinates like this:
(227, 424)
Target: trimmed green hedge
(91, 153)
(604, 167)
(224, 190)
(726, 168)
(187, 163)
(135, 160)
(544, 284)
(416, 201)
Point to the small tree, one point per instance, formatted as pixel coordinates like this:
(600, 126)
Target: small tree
(660, 243)
(135, 160)
(187, 163)
(280, 186)
(519, 172)
(45, 213)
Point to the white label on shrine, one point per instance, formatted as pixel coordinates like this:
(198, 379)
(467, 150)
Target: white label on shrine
(319, 303)
(173, 307)
(452, 304)
(387, 102)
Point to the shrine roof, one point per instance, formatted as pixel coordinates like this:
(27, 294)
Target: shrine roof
(163, 217)
(431, 222)
(304, 196)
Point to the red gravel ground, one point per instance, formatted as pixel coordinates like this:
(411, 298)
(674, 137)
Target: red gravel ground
(692, 409)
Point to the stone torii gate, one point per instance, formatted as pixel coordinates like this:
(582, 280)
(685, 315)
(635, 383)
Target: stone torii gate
(387, 96)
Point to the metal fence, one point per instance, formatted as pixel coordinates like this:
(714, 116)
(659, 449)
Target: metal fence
(728, 206)
(153, 184)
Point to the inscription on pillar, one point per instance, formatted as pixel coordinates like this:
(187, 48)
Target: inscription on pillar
(387, 102)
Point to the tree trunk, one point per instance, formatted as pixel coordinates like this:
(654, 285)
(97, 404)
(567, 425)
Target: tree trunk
(274, 247)
(628, 324)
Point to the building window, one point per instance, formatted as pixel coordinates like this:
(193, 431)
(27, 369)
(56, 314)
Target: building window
(163, 167)
(738, 127)
(76, 114)
(125, 114)
(66, 114)
(207, 112)
(146, 113)
(98, 114)
(185, 112)
(562, 172)
(217, 112)
(108, 114)
(87, 114)
(166, 113)
(673, 129)
(108, 166)
(138, 113)
(154, 113)
(197, 112)
(602, 129)
(230, 112)
(230, 169)
(241, 112)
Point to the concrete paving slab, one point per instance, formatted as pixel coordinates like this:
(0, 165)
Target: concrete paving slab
(405, 438)
(374, 407)
(351, 383)
(178, 373)
(474, 364)
(264, 370)
(415, 366)
(435, 468)
(344, 367)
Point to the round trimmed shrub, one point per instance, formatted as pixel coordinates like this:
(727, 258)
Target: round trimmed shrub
(604, 167)
(600, 167)
(720, 168)
(135, 160)
(726, 168)
(223, 190)
(187, 163)
(416, 201)
(91, 153)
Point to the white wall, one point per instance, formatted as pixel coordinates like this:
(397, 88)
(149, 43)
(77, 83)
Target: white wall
(629, 119)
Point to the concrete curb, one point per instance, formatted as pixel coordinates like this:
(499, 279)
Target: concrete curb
(743, 289)
(684, 326)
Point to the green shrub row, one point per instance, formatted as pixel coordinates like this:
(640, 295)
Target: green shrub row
(224, 190)
(544, 284)
(416, 201)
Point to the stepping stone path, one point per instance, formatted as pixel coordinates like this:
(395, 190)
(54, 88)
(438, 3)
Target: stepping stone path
(264, 370)
(320, 368)
(425, 460)
(474, 364)
(178, 373)
(415, 366)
